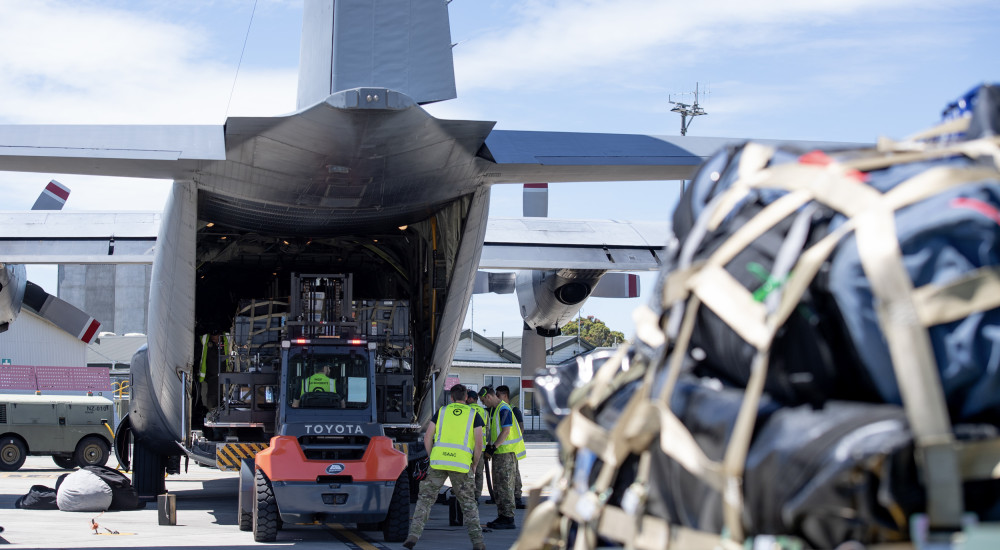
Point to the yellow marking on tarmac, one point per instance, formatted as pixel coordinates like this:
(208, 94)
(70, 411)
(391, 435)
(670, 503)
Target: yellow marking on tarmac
(354, 538)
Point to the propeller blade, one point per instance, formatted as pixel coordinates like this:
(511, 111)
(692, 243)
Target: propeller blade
(535, 200)
(60, 313)
(53, 197)
(496, 283)
(617, 285)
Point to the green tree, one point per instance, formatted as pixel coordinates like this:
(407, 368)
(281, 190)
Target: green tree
(593, 330)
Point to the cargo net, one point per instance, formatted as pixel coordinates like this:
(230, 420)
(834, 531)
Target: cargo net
(258, 327)
(819, 365)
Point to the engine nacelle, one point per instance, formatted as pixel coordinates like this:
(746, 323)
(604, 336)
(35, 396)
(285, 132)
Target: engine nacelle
(550, 299)
(12, 282)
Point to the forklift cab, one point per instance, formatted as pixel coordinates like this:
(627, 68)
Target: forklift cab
(328, 377)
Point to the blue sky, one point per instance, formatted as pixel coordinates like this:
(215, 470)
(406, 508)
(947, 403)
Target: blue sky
(842, 70)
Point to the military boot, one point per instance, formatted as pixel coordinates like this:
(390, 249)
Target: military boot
(502, 522)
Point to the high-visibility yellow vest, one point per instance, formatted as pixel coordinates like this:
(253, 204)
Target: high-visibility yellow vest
(454, 440)
(204, 358)
(514, 442)
(486, 420)
(319, 382)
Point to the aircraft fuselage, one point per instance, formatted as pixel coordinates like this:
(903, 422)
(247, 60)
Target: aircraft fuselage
(385, 192)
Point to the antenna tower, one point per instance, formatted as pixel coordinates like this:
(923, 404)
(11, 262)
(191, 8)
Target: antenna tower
(687, 111)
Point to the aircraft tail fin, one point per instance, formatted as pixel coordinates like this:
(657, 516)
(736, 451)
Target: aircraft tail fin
(402, 45)
(60, 313)
(53, 197)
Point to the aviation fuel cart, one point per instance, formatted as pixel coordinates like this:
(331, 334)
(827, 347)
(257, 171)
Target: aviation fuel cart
(307, 395)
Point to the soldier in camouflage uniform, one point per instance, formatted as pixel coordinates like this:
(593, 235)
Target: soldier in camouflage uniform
(473, 401)
(454, 442)
(503, 393)
(506, 447)
(504, 471)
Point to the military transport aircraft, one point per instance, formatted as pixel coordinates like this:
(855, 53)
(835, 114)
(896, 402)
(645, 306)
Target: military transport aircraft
(360, 179)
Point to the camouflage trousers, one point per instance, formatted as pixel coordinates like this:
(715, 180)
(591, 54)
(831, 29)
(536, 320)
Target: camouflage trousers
(504, 473)
(461, 484)
(477, 487)
(517, 480)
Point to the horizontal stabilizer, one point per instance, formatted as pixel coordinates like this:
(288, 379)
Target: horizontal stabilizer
(78, 237)
(162, 152)
(496, 283)
(60, 313)
(617, 285)
(522, 156)
(53, 197)
(550, 243)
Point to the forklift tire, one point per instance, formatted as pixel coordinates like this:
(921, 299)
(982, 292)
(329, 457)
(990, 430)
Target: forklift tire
(414, 487)
(396, 525)
(246, 518)
(265, 511)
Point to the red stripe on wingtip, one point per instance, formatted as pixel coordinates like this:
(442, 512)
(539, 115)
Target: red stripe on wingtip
(536, 186)
(54, 188)
(633, 286)
(91, 330)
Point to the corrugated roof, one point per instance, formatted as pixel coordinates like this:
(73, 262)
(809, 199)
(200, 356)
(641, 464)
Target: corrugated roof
(485, 365)
(114, 349)
(557, 349)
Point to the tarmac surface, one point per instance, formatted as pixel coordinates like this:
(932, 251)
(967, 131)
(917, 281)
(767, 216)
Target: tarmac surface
(206, 516)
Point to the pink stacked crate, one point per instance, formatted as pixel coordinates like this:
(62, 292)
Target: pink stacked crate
(94, 379)
(17, 377)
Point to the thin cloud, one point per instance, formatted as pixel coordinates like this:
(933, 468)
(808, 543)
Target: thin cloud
(555, 40)
(95, 64)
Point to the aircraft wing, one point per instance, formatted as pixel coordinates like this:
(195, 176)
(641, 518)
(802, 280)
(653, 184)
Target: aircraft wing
(56, 237)
(523, 156)
(550, 243)
(160, 152)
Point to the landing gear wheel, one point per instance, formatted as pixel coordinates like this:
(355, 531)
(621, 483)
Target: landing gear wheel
(91, 451)
(66, 462)
(369, 526)
(149, 472)
(12, 454)
(265, 511)
(396, 524)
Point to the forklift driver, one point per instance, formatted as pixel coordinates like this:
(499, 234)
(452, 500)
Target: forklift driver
(318, 382)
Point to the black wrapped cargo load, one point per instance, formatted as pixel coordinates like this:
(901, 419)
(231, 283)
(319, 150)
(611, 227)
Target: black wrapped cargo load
(818, 366)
